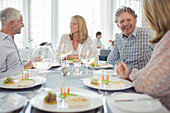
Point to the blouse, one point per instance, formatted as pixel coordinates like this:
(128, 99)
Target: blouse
(154, 78)
(65, 39)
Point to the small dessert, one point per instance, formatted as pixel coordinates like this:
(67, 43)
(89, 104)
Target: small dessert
(95, 82)
(104, 65)
(106, 82)
(94, 65)
(116, 84)
(9, 81)
(77, 101)
(50, 98)
(23, 83)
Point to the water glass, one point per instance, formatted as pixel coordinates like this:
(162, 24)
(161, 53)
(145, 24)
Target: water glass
(77, 68)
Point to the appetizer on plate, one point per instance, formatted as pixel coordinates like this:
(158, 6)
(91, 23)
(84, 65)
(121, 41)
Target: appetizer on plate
(50, 98)
(21, 83)
(70, 100)
(65, 94)
(95, 81)
(71, 60)
(94, 65)
(9, 81)
(105, 82)
(77, 101)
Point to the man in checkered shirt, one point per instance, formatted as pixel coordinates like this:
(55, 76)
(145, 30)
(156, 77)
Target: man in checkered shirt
(132, 46)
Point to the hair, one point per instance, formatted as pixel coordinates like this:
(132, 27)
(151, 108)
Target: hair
(98, 33)
(9, 14)
(123, 9)
(157, 13)
(83, 32)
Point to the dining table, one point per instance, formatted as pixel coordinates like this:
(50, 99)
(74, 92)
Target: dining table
(54, 78)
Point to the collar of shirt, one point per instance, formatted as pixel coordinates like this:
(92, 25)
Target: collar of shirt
(132, 35)
(4, 36)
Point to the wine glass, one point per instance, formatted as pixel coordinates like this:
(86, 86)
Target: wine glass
(87, 55)
(62, 52)
(42, 57)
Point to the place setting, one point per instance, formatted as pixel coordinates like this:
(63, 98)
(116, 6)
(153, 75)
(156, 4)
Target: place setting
(21, 81)
(10, 102)
(108, 83)
(123, 102)
(66, 99)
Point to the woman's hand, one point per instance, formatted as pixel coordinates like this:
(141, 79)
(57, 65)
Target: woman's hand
(123, 70)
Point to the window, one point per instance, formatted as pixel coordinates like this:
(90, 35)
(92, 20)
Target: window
(18, 5)
(40, 22)
(88, 9)
(134, 4)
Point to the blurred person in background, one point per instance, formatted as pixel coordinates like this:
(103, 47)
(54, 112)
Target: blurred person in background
(97, 41)
(10, 62)
(132, 46)
(154, 78)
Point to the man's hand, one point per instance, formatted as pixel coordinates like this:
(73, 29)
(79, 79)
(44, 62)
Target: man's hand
(29, 65)
(123, 70)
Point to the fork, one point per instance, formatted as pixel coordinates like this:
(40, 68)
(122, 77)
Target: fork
(104, 94)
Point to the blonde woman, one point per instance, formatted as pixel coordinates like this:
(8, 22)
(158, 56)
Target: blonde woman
(78, 35)
(154, 78)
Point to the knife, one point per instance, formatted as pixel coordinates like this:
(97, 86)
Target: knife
(136, 99)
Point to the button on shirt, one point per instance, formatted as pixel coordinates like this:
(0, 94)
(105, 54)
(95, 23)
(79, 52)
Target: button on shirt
(10, 62)
(135, 51)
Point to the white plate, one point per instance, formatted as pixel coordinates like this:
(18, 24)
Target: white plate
(105, 72)
(102, 64)
(35, 72)
(135, 106)
(127, 84)
(95, 101)
(38, 80)
(12, 102)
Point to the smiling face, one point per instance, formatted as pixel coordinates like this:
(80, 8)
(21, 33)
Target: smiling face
(126, 22)
(74, 28)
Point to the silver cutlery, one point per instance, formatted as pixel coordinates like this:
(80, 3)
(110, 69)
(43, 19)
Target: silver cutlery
(136, 99)
(104, 94)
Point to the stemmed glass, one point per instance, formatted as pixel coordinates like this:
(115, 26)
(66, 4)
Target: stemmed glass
(42, 57)
(42, 60)
(63, 53)
(87, 55)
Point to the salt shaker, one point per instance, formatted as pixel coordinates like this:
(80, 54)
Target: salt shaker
(65, 70)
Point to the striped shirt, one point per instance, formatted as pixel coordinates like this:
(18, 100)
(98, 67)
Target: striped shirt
(10, 62)
(135, 51)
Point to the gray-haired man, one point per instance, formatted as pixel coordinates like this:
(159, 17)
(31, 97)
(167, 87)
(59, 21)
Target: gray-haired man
(132, 46)
(10, 62)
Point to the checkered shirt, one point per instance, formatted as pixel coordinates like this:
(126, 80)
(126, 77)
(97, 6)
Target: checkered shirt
(135, 51)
